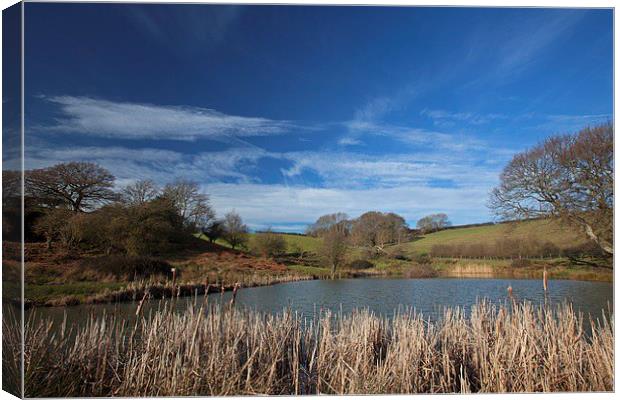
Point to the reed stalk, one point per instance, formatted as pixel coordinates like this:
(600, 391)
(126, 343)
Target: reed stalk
(214, 351)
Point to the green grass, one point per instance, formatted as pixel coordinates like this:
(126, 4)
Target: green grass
(553, 231)
(306, 270)
(42, 293)
(293, 242)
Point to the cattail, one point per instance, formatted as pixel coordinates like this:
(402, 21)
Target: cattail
(146, 293)
(234, 294)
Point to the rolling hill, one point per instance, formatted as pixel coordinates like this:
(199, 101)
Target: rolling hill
(546, 230)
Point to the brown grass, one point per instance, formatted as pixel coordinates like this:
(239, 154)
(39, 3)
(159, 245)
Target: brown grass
(513, 348)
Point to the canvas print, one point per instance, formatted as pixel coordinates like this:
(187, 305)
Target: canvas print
(226, 200)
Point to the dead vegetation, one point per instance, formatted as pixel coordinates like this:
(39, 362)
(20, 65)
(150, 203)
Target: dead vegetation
(224, 351)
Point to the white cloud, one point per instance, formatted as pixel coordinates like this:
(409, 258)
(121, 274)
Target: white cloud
(410, 184)
(126, 120)
(261, 205)
(348, 141)
(351, 170)
(448, 119)
(160, 165)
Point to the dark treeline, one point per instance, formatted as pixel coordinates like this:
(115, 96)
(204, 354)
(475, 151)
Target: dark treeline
(513, 248)
(76, 205)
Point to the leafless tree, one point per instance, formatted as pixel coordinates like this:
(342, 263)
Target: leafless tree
(192, 205)
(433, 223)
(325, 222)
(140, 192)
(81, 186)
(374, 230)
(236, 232)
(334, 248)
(566, 176)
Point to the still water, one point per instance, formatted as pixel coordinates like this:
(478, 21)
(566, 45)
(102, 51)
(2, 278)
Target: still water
(382, 296)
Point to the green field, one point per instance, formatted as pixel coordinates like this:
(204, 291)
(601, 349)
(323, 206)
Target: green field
(293, 242)
(544, 230)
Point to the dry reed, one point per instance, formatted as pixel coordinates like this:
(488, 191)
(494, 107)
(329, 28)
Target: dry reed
(211, 350)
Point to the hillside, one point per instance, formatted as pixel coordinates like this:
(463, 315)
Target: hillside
(544, 230)
(293, 242)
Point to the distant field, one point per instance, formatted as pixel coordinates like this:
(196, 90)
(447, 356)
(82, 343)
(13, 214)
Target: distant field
(305, 243)
(544, 230)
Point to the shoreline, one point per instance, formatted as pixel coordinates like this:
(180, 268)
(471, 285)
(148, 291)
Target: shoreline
(136, 291)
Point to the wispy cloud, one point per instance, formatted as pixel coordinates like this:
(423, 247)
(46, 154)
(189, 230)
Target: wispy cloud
(354, 170)
(445, 118)
(200, 27)
(418, 137)
(97, 117)
(129, 164)
(518, 46)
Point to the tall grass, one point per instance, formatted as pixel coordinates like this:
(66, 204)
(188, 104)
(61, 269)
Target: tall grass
(225, 351)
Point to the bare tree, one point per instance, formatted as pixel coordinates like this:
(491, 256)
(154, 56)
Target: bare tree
(236, 232)
(192, 205)
(433, 223)
(140, 192)
(566, 176)
(81, 186)
(374, 230)
(325, 222)
(334, 248)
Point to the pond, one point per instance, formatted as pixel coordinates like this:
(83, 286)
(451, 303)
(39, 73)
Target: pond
(382, 296)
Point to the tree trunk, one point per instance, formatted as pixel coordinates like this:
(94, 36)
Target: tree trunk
(603, 244)
(333, 271)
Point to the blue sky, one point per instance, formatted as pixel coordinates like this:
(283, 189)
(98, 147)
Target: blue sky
(288, 113)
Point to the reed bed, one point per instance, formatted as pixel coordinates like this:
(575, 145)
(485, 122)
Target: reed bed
(214, 351)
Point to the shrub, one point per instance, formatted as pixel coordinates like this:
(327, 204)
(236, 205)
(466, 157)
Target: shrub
(123, 267)
(361, 264)
(398, 254)
(423, 259)
(520, 263)
(269, 244)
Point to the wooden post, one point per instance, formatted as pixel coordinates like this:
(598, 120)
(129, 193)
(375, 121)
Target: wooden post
(545, 283)
(509, 291)
(174, 276)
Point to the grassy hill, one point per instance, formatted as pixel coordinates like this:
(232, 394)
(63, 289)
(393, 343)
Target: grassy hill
(293, 242)
(545, 230)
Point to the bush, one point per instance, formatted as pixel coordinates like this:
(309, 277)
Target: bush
(123, 267)
(361, 264)
(423, 259)
(398, 254)
(520, 263)
(269, 244)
